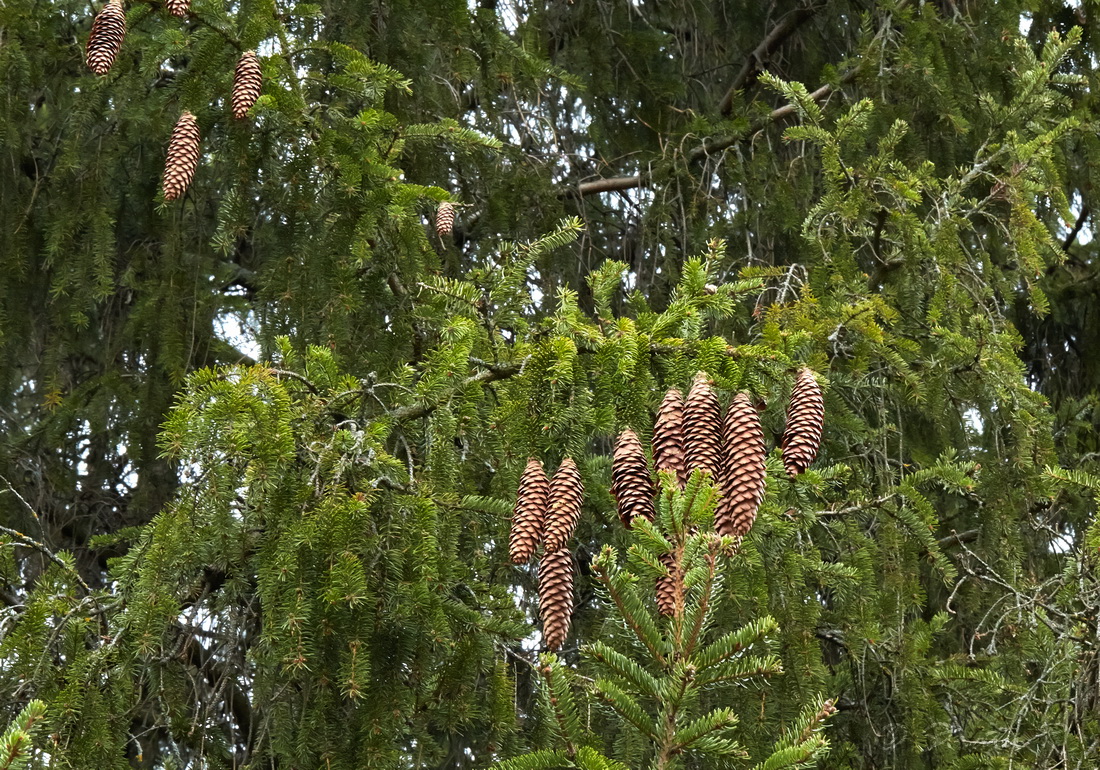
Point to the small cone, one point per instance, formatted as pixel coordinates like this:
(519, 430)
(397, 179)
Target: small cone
(669, 587)
(445, 219)
(183, 157)
(630, 481)
(247, 79)
(668, 437)
(805, 420)
(743, 472)
(564, 506)
(177, 7)
(529, 513)
(555, 596)
(703, 427)
(105, 40)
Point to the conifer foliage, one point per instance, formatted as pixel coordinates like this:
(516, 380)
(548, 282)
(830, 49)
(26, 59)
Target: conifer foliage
(105, 39)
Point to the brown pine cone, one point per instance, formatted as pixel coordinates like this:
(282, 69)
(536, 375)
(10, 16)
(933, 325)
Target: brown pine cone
(805, 420)
(703, 426)
(105, 40)
(529, 513)
(743, 473)
(177, 7)
(630, 480)
(247, 79)
(670, 587)
(183, 157)
(564, 506)
(555, 596)
(445, 219)
(668, 437)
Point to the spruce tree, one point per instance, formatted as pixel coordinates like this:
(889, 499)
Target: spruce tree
(262, 437)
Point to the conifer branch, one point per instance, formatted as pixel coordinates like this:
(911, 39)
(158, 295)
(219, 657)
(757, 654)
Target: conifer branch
(492, 374)
(784, 28)
(710, 146)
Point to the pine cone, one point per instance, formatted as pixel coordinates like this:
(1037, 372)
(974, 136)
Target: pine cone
(183, 157)
(703, 426)
(555, 596)
(743, 473)
(669, 586)
(564, 506)
(247, 79)
(177, 7)
(668, 437)
(445, 219)
(529, 514)
(105, 40)
(805, 419)
(631, 483)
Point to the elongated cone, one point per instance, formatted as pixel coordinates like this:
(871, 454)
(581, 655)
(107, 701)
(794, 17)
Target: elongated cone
(529, 513)
(183, 157)
(669, 586)
(555, 596)
(805, 420)
(743, 473)
(177, 7)
(668, 437)
(247, 79)
(564, 507)
(630, 480)
(445, 219)
(105, 40)
(703, 426)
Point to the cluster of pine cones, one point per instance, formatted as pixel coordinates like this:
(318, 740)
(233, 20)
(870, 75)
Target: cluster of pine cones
(546, 513)
(693, 433)
(104, 45)
(688, 434)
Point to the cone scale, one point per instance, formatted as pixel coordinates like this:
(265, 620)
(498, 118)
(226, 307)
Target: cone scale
(668, 437)
(703, 426)
(247, 80)
(555, 596)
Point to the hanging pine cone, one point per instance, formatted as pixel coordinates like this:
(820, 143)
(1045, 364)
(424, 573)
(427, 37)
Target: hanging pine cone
(630, 481)
(564, 506)
(183, 157)
(177, 7)
(668, 437)
(247, 79)
(555, 596)
(445, 219)
(529, 513)
(743, 473)
(105, 40)
(703, 426)
(805, 419)
(669, 586)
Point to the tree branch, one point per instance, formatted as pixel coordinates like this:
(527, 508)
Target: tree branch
(753, 65)
(718, 144)
(492, 374)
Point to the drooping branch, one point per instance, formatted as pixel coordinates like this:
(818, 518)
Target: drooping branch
(718, 144)
(754, 63)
